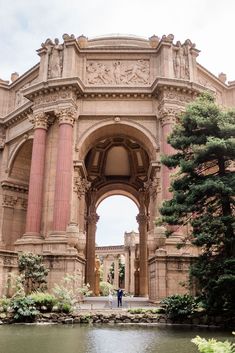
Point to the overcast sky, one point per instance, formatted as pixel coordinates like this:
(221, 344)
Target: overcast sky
(25, 24)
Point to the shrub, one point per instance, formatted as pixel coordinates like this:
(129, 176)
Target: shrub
(44, 300)
(4, 304)
(35, 273)
(105, 288)
(213, 346)
(179, 306)
(24, 309)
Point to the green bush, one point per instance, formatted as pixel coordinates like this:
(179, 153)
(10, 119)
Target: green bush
(44, 301)
(4, 304)
(179, 306)
(65, 307)
(34, 272)
(213, 346)
(144, 311)
(24, 309)
(105, 288)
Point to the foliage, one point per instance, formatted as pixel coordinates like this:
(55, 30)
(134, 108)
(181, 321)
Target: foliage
(43, 301)
(105, 288)
(4, 304)
(179, 306)
(35, 273)
(24, 309)
(203, 192)
(213, 346)
(121, 269)
(146, 311)
(85, 290)
(68, 292)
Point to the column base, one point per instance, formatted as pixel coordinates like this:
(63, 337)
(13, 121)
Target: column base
(57, 243)
(30, 242)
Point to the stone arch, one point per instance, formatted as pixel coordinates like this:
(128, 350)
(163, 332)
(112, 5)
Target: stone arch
(20, 161)
(125, 127)
(117, 189)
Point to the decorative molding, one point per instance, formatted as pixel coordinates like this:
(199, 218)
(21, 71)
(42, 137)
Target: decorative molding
(13, 186)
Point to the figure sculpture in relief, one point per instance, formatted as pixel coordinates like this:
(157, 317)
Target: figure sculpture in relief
(138, 73)
(55, 60)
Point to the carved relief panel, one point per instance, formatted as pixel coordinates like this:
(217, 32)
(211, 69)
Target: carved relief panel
(118, 72)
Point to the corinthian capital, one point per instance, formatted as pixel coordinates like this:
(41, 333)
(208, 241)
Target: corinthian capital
(39, 120)
(168, 115)
(142, 218)
(66, 115)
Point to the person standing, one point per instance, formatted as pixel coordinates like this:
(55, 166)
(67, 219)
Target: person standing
(110, 299)
(119, 297)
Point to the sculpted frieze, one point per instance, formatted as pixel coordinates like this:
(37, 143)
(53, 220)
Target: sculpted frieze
(118, 72)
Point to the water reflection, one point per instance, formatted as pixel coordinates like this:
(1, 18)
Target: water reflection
(101, 339)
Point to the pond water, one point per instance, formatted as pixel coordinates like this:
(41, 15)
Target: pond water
(102, 339)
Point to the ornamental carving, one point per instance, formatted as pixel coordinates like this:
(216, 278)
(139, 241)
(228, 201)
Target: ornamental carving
(92, 218)
(168, 115)
(118, 72)
(153, 186)
(9, 201)
(39, 120)
(66, 115)
(142, 218)
(81, 185)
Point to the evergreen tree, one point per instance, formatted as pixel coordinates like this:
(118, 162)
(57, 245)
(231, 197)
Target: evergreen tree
(203, 192)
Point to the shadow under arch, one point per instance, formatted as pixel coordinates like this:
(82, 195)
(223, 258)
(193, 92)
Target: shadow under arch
(110, 128)
(20, 161)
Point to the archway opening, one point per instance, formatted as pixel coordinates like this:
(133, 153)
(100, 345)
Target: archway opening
(117, 215)
(117, 240)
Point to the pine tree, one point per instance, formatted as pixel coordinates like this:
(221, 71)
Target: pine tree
(203, 190)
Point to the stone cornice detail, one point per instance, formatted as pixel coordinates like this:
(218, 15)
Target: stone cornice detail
(14, 186)
(66, 115)
(18, 115)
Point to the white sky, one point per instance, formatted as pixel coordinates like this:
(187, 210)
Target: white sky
(25, 24)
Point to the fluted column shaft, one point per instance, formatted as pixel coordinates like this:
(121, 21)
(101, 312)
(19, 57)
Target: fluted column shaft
(64, 166)
(35, 195)
(167, 126)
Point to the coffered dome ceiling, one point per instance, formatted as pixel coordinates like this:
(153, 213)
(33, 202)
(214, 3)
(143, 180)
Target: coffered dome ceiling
(117, 160)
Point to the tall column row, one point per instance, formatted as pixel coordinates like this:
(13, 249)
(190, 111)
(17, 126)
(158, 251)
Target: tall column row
(61, 211)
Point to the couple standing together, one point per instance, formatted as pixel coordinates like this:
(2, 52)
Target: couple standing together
(119, 298)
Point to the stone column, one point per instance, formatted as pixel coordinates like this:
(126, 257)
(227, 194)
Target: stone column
(132, 269)
(142, 219)
(61, 215)
(127, 270)
(92, 219)
(168, 122)
(35, 196)
(116, 272)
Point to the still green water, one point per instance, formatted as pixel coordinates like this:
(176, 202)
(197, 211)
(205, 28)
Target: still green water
(101, 339)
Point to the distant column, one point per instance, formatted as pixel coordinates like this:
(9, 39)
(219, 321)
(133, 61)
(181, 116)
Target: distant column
(116, 272)
(35, 196)
(63, 169)
(127, 270)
